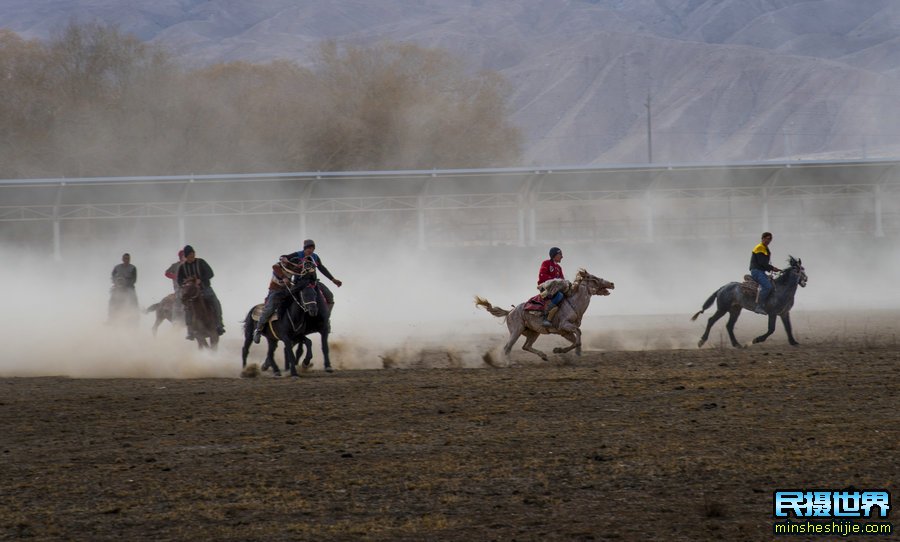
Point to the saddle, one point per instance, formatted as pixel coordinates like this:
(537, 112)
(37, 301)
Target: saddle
(749, 285)
(536, 303)
(257, 310)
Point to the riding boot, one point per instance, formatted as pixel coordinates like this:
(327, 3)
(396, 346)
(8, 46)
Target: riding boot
(546, 322)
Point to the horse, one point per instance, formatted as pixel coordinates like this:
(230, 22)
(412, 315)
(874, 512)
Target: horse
(272, 344)
(123, 304)
(300, 318)
(165, 310)
(567, 321)
(204, 321)
(732, 298)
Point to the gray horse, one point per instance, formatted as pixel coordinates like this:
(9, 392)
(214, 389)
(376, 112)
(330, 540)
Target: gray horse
(567, 321)
(732, 298)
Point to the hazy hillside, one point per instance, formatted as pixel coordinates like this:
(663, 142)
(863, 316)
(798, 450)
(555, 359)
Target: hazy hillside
(728, 79)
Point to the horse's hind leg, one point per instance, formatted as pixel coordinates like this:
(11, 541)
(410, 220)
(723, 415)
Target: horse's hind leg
(530, 337)
(159, 320)
(768, 332)
(709, 324)
(514, 333)
(732, 320)
(786, 320)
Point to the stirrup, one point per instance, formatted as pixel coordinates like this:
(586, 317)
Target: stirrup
(759, 310)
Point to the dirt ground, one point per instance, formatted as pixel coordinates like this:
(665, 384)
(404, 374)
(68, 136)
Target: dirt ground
(639, 439)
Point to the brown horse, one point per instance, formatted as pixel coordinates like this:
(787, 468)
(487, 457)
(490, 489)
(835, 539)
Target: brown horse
(204, 321)
(165, 310)
(567, 321)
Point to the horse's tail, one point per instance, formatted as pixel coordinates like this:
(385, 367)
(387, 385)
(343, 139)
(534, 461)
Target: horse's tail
(152, 308)
(249, 324)
(706, 305)
(486, 305)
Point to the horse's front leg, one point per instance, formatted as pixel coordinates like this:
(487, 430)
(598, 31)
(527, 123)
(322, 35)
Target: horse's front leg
(325, 355)
(290, 362)
(786, 320)
(307, 360)
(572, 333)
(270, 357)
(768, 332)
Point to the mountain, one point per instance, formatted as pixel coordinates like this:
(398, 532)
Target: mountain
(726, 79)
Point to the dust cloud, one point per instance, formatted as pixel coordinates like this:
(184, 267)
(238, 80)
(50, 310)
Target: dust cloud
(399, 307)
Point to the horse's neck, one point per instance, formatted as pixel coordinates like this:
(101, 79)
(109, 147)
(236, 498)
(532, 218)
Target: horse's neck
(788, 287)
(580, 300)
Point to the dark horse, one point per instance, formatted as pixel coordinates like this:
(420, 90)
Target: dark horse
(293, 325)
(732, 298)
(204, 321)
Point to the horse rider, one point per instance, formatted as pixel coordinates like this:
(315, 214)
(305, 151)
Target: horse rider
(309, 247)
(172, 273)
(550, 269)
(194, 268)
(283, 273)
(124, 276)
(759, 264)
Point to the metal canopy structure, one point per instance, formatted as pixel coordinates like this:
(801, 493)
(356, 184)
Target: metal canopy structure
(518, 205)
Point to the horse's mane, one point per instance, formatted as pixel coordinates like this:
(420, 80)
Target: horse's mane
(579, 277)
(786, 273)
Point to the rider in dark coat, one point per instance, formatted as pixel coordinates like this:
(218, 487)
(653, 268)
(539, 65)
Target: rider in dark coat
(279, 292)
(197, 269)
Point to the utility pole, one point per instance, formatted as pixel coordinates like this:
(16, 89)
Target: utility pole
(649, 130)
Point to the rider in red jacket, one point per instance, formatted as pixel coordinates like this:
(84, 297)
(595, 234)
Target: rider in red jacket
(550, 269)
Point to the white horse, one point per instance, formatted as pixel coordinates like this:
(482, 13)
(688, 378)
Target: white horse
(567, 321)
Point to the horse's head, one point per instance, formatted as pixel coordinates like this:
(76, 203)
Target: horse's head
(797, 266)
(190, 291)
(307, 297)
(595, 285)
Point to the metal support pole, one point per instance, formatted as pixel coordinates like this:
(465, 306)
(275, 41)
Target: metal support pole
(303, 206)
(765, 208)
(532, 227)
(879, 229)
(420, 210)
(521, 223)
(182, 230)
(57, 234)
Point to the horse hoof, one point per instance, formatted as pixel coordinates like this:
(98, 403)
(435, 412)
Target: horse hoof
(328, 369)
(276, 375)
(757, 340)
(557, 351)
(739, 346)
(795, 343)
(700, 343)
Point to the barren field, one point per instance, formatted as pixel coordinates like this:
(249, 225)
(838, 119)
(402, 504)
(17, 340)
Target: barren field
(642, 438)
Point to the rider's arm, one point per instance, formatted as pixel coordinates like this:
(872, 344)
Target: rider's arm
(327, 273)
(206, 271)
(133, 282)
